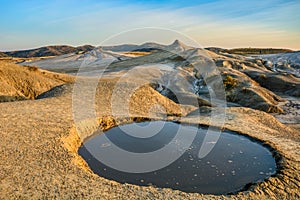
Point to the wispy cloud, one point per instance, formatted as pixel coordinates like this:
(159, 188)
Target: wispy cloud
(226, 23)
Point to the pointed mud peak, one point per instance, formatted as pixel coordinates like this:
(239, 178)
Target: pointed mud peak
(178, 46)
(177, 42)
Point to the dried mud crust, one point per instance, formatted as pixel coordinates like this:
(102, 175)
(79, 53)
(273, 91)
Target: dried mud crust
(291, 114)
(39, 143)
(285, 183)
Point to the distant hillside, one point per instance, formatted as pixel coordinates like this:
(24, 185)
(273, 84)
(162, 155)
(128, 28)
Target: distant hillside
(256, 51)
(146, 47)
(48, 51)
(84, 48)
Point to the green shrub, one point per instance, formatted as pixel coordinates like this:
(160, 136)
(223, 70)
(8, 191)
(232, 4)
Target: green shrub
(229, 82)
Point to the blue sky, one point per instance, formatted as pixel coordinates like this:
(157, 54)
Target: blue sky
(223, 23)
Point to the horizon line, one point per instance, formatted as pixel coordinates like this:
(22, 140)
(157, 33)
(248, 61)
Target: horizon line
(206, 46)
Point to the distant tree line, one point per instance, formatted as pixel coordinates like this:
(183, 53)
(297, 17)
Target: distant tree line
(250, 51)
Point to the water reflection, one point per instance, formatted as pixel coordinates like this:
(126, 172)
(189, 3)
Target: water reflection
(234, 162)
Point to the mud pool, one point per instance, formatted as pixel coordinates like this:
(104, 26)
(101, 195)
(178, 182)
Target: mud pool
(234, 163)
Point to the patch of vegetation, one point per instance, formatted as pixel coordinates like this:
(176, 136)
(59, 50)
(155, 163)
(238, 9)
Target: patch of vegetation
(256, 51)
(3, 55)
(229, 82)
(32, 68)
(137, 53)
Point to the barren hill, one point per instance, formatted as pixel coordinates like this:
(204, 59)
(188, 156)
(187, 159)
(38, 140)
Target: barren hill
(249, 82)
(20, 83)
(48, 51)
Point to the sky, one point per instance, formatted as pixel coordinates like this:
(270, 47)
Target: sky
(220, 23)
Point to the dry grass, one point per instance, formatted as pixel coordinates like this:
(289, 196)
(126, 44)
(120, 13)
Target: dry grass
(19, 60)
(136, 53)
(27, 81)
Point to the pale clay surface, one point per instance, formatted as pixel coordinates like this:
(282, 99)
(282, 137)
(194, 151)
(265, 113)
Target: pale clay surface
(39, 146)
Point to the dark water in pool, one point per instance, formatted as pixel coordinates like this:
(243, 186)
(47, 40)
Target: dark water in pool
(234, 162)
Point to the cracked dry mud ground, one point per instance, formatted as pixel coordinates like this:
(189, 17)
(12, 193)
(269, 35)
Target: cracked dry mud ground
(39, 146)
